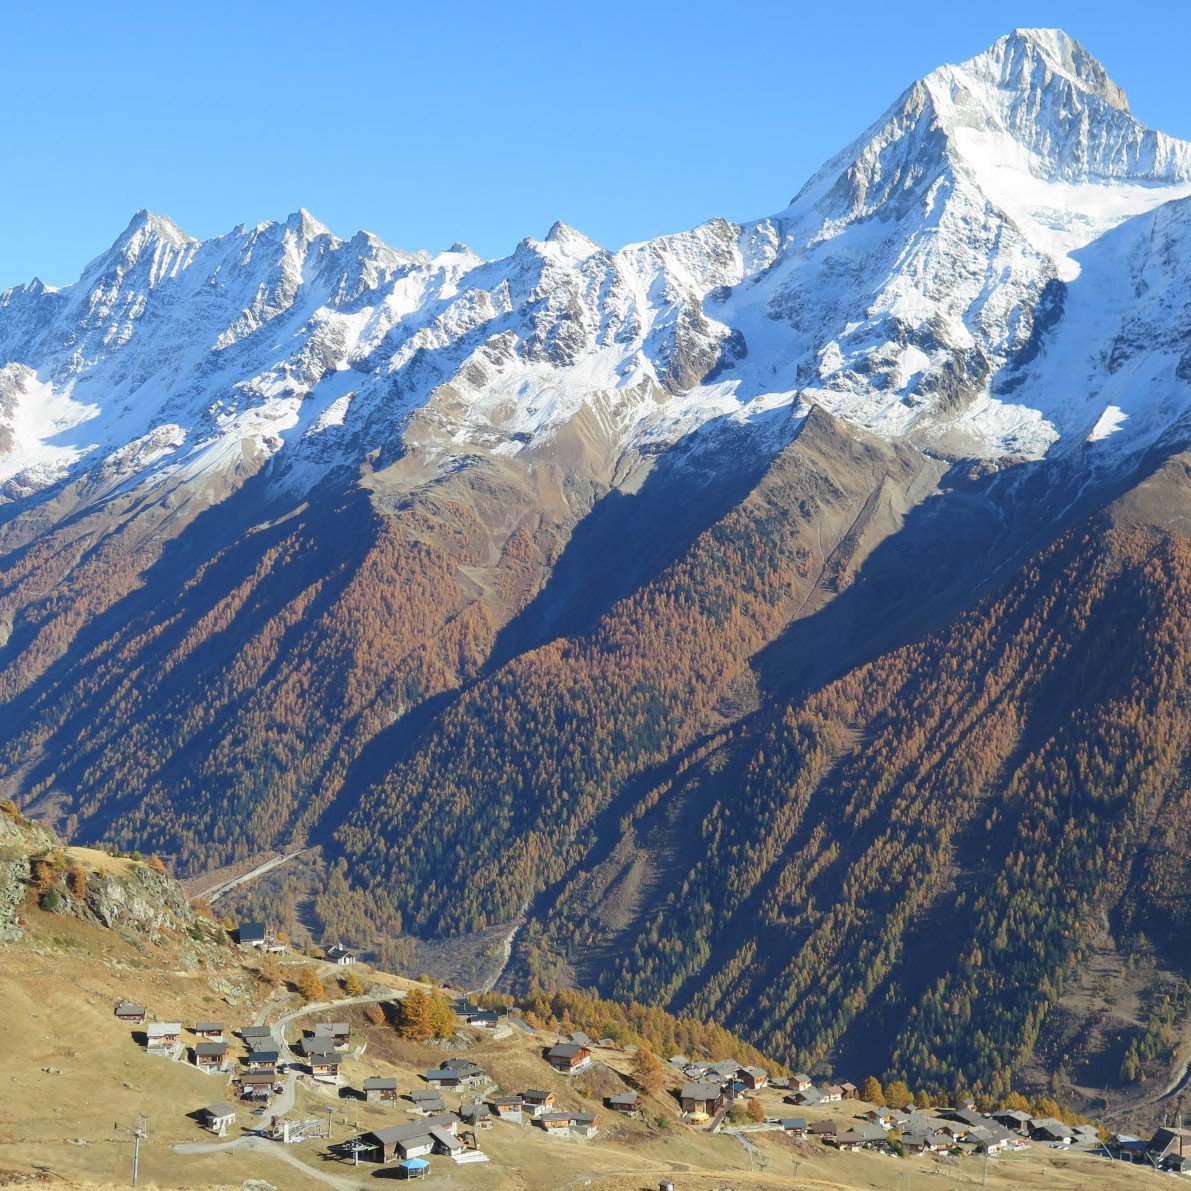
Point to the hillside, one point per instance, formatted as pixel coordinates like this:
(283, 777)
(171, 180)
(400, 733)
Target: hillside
(77, 1077)
(783, 621)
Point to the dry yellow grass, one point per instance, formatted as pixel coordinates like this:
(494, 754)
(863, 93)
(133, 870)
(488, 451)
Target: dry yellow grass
(74, 1080)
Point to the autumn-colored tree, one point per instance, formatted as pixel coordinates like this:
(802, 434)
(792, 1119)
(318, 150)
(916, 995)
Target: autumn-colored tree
(352, 985)
(307, 983)
(1016, 1100)
(1044, 1106)
(756, 1111)
(414, 1016)
(442, 1016)
(156, 863)
(923, 1099)
(898, 1094)
(374, 1015)
(76, 882)
(648, 1071)
(872, 1091)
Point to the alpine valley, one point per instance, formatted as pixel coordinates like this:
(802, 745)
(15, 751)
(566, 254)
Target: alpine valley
(786, 623)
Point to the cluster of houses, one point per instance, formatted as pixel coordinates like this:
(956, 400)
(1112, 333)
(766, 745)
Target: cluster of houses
(711, 1088)
(256, 1074)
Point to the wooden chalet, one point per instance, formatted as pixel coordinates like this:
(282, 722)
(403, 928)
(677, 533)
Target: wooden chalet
(212, 1031)
(160, 1034)
(415, 1139)
(569, 1058)
(536, 1102)
(131, 1012)
(262, 1060)
(210, 1056)
(509, 1108)
(337, 1032)
(626, 1103)
(380, 1088)
(701, 1100)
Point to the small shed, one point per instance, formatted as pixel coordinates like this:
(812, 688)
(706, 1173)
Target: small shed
(131, 1012)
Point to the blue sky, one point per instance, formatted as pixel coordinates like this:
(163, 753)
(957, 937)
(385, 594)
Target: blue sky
(433, 122)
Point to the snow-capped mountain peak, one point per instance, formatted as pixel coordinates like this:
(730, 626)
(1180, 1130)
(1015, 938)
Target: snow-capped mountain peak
(915, 286)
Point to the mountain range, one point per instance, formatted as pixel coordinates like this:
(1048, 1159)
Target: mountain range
(786, 621)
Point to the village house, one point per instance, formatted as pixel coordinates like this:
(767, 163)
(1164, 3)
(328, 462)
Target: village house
(162, 1034)
(800, 1082)
(701, 1100)
(212, 1031)
(473, 1015)
(627, 1103)
(251, 934)
(427, 1102)
(990, 1139)
(849, 1139)
(753, 1078)
(850, 1091)
(340, 956)
(823, 1129)
(926, 1143)
(1049, 1129)
(568, 1058)
(456, 1073)
(585, 1124)
(415, 1139)
(313, 1045)
(256, 1035)
(478, 1116)
(131, 1012)
(379, 1088)
(556, 1123)
(537, 1102)
(809, 1095)
(831, 1094)
(219, 1117)
(1012, 1118)
(262, 1060)
(257, 1085)
(880, 1116)
(324, 1066)
(509, 1108)
(793, 1126)
(210, 1056)
(336, 1032)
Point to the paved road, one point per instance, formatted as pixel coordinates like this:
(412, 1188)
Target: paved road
(220, 888)
(274, 1150)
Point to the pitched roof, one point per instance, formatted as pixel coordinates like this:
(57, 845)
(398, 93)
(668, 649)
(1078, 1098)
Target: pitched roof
(211, 1049)
(208, 1027)
(380, 1083)
(219, 1110)
(565, 1050)
(701, 1091)
(251, 932)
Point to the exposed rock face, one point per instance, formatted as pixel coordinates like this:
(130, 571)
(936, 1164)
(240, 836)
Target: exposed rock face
(131, 895)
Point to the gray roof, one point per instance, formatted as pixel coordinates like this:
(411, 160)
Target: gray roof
(411, 1129)
(701, 1091)
(208, 1027)
(130, 1008)
(219, 1110)
(379, 1083)
(564, 1050)
(328, 1029)
(793, 1122)
(624, 1098)
(536, 1094)
(211, 1049)
(255, 1032)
